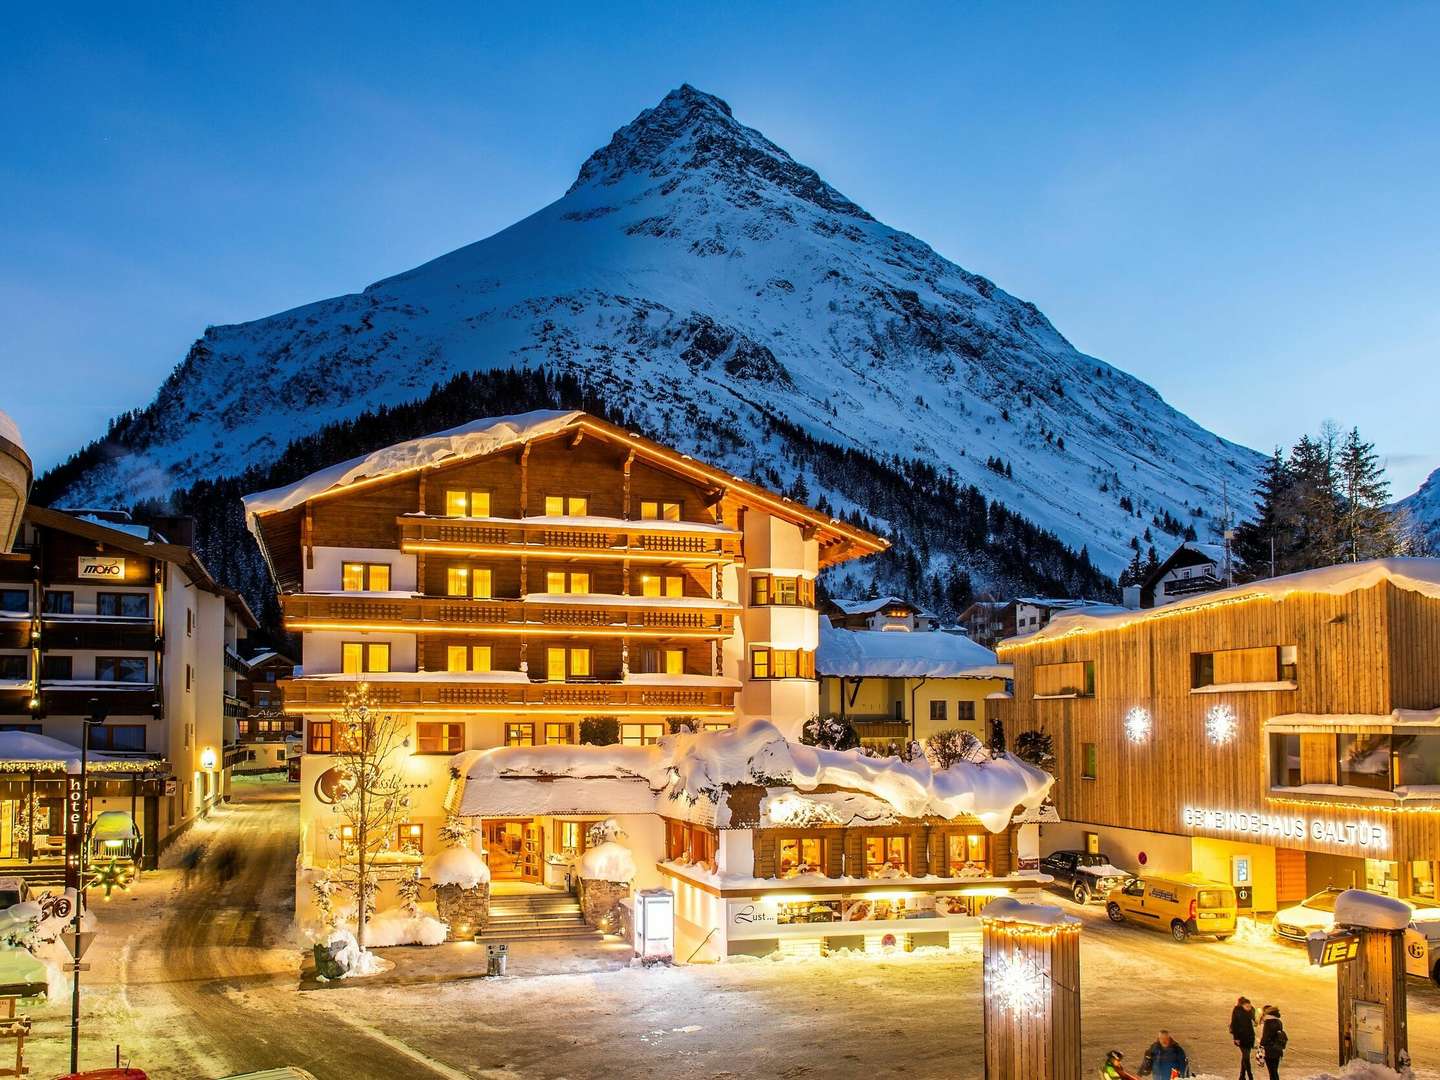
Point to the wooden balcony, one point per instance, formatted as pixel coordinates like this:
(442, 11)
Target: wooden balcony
(432, 692)
(671, 542)
(641, 617)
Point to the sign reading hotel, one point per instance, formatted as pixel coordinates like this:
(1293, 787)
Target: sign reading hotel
(101, 568)
(1359, 835)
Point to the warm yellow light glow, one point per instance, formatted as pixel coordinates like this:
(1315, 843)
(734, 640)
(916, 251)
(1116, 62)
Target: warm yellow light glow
(490, 630)
(581, 709)
(420, 547)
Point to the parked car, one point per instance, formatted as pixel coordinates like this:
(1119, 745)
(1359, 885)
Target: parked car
(1084, 875)
(1318, 913)
(1422, 945)
(1184, 905)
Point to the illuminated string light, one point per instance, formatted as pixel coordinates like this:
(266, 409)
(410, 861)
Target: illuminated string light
(1221, 724)
(1137, 724)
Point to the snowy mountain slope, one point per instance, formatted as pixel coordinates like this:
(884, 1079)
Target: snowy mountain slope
(1423, 507)
(700, 276)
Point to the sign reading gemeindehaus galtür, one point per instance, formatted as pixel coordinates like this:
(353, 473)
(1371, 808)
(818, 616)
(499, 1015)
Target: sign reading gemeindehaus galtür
(1292, 828)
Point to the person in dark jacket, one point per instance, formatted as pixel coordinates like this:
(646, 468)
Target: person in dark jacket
(1165, 1056)
(1242, 1031)
(1273, 1039)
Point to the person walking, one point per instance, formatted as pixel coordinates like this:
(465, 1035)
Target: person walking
(1273, 1039)
(1165, 1059)
(1242, 1031)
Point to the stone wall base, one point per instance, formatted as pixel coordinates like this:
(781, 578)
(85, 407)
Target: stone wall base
(465, 911)
(599, 900)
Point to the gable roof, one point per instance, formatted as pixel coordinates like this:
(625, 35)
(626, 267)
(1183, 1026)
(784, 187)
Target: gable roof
(490, 435)
(867, 606)
(931, 654)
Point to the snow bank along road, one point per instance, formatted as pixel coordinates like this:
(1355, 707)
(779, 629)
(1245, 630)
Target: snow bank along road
(199, 980)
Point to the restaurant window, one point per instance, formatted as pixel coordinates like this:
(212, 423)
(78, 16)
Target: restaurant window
(766, 663)
(567, 505)
(462, 503)
(14, 601)
(59, 668)
(970, 851)
(322, 736)
(128, 605)
(1364, 760)
(559, 734)
(560, 582)
(1285, 755)
(410, 836)
(1074, 679)
(476, 581)
(641, 734)
(433, 737)
(126, 737)
(365, 577)
(800, 855)
(689, 843)
(1417, 759)
(15, 666)
(767, 590)
(662, 585)
(519, 734)
(467, 658)
(937, 712)
(360, 657)
(562, 664)
(653, 510)
(59, 603)
(1089, 761)
(122, 669)
(1243, 667)
(887, 856)
(571, 836)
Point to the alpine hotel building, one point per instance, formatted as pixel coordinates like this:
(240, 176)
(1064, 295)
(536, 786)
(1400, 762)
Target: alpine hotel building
(514, 579)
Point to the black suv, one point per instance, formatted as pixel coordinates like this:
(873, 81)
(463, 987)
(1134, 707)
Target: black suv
(1085, 876)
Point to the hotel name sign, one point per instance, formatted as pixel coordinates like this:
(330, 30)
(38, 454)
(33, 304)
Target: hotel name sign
(1249, 824)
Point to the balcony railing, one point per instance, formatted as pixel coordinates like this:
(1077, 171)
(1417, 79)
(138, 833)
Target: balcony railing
(437, 695)
(650, 541)
(433, 614)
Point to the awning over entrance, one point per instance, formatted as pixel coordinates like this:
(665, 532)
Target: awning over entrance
(25, 751)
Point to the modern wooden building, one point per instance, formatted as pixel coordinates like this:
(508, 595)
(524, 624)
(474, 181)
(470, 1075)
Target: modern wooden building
(504, 582)
(1282, 735)
(97, 611)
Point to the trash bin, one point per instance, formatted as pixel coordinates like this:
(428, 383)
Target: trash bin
(495, 956)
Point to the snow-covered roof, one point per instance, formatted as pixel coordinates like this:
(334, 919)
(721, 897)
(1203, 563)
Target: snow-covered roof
(1413, 575)
(1311, 721)
(868, 606)
(689, 769)
(46, 753)
(882, 653)
(474, 439)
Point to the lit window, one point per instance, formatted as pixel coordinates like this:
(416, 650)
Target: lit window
(555, 664)
(580, 581)
(473, 581)
(459, 503)
(674, 661)
(801, 855)
(410, 836)
(580, 662)
(571, 836)
(968, 852)
(567, 505)
(653, 510)
(555, 581)
(781, 664)
(457, 581)
(456, 504)
(641, 734)
(352, 577)
(379, 577)
(357, 657)
(457, 657)
(439, 738)
(480, 658)
(362, 577)
(887, 856)
(560, 734)
(560, 582)
(519, 734)
(662, 585)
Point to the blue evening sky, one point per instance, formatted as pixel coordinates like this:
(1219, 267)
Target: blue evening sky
(1239, 203)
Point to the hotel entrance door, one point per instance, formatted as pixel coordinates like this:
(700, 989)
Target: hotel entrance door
(515, 850)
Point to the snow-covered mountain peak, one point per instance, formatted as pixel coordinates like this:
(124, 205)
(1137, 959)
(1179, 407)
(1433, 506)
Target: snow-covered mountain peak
(692, 135)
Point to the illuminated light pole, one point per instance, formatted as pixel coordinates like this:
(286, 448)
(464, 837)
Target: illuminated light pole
(77, 811)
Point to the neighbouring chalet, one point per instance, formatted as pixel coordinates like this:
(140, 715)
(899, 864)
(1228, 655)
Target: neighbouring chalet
(100, 611)
(1282, 735)
(770, 845)
(502, 582)
(1190, 569)
(895, 686)
(989, 621)
(267, 733)
(878, 613)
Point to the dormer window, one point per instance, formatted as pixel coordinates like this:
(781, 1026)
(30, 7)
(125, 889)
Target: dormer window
(460, 502)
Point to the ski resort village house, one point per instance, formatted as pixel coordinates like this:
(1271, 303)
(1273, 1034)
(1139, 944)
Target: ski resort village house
(1283, 736)
(896, 685)
(266, 733)
(100, 615)
(517, 587)
(878, 613)
(1190, 569)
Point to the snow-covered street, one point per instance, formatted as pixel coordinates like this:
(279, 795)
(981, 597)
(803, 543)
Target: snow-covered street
(201, 979)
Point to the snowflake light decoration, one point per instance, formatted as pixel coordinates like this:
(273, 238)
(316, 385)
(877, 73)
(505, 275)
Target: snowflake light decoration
(111, 876)
(1016, 984)
(1220, 724)
(1137, 724)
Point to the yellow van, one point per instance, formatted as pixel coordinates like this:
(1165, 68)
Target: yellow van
(1183, 904)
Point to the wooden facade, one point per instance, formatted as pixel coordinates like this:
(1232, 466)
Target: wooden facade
(1031, 1001)
(1212, 677)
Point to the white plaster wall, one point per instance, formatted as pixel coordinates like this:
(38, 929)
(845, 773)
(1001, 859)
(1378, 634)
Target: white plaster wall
(324, 576)
(321, 649)
(735, 853)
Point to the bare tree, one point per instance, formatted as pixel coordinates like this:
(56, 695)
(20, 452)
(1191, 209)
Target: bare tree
(368, 747)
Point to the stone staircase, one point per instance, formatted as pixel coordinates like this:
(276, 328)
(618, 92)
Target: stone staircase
(41, 878)
(534, 916)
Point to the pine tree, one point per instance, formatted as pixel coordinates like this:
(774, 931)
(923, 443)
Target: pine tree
(1368, 528)
(1312, 505)
(1261, 539)
(1134, 571)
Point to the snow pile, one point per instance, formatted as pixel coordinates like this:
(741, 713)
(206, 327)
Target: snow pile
(695, 768)
(1008, 909)
(474, 439)
(458, 866)
(784, 808)
(1357, 907)
(607, 862)
(352, 960)
(396, 926)
(900, 654)
(1413, 575)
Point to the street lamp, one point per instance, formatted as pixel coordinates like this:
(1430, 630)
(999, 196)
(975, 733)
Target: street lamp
(97, 716)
